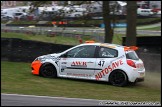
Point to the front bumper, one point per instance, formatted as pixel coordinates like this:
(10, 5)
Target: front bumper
(35, 66)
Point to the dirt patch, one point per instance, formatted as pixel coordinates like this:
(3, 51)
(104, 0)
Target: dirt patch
(152, 80)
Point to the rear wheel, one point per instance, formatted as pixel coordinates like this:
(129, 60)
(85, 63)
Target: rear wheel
(48, 70)
(118, 78)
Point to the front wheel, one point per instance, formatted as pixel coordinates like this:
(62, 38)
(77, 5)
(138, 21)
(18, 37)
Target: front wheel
(118, 78)
(48, 71)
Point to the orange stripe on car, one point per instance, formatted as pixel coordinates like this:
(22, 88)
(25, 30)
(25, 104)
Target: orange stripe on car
(90, 41)
(126, 48)
(35, 67)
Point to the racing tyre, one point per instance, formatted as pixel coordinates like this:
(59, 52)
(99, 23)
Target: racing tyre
(48, 71)
(118, 78)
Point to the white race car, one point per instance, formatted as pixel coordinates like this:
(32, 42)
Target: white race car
(93, 61)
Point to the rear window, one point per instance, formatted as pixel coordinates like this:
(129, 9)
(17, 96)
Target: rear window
(132, 55)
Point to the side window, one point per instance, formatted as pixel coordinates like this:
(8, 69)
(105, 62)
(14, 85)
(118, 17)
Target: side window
(105, 52)
(82, 52)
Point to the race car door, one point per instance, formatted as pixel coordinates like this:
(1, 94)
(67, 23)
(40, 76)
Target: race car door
(105, 56)
(79, 62)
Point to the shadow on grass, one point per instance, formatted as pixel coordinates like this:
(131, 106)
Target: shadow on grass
(152, 80)
(90, 81)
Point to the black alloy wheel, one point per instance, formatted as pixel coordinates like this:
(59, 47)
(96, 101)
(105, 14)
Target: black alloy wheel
(118, 78)
(48, 71)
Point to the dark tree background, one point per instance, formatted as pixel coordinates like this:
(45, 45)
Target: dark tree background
(131, 23)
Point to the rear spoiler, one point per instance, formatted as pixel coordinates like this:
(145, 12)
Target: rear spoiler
(126, 48)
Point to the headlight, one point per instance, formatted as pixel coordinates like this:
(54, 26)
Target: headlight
(36, 59)
(39, 59)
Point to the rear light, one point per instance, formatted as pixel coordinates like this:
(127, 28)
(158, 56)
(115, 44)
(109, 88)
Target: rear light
(131, 63)
(141, 65)
(154, 10)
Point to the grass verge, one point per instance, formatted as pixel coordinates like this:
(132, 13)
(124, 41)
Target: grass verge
(16, 77)
(117, 39)
(93, 21)
(42, 38)
(158, 28)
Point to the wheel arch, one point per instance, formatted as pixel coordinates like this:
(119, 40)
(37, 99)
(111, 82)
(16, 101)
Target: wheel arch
(118, 70)
(47, 63)
(118, 82)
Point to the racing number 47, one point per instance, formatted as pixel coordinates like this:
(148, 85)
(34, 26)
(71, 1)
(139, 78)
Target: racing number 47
(101, 63)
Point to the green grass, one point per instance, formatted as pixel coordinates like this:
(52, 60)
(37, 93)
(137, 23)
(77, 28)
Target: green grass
(92, 21)
(158, 28)
(16, 77)
(86, 21)
(3, 21)
(117, 39)
(43, 38)
(24, 22)
(141, 20)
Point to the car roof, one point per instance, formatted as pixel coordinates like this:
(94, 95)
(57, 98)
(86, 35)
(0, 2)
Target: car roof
(104, 44)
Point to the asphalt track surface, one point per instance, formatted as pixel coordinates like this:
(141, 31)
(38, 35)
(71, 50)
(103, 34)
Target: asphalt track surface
(32, 100)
